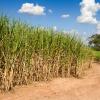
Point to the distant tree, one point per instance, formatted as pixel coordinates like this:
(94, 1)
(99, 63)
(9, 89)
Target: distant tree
(94, 42)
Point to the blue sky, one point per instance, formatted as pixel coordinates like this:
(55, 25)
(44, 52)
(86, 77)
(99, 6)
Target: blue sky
(63, 15)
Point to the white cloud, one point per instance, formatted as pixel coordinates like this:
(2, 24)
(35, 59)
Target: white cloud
(65, 16)
(32, 9)
(50, 11)
(88, 12)
(55, 28)
(98, 28)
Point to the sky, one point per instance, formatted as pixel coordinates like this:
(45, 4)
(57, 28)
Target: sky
(82, 16)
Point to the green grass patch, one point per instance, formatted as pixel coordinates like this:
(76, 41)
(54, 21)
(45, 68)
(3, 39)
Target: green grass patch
(97, 55)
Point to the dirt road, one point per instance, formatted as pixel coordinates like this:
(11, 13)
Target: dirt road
(87, 88)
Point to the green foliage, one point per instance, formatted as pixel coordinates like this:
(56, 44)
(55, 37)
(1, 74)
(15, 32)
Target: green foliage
(95, 41)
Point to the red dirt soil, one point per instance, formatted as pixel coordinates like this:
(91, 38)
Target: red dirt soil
(87, 88)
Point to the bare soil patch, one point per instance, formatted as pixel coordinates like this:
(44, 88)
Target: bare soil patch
(87, 88)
